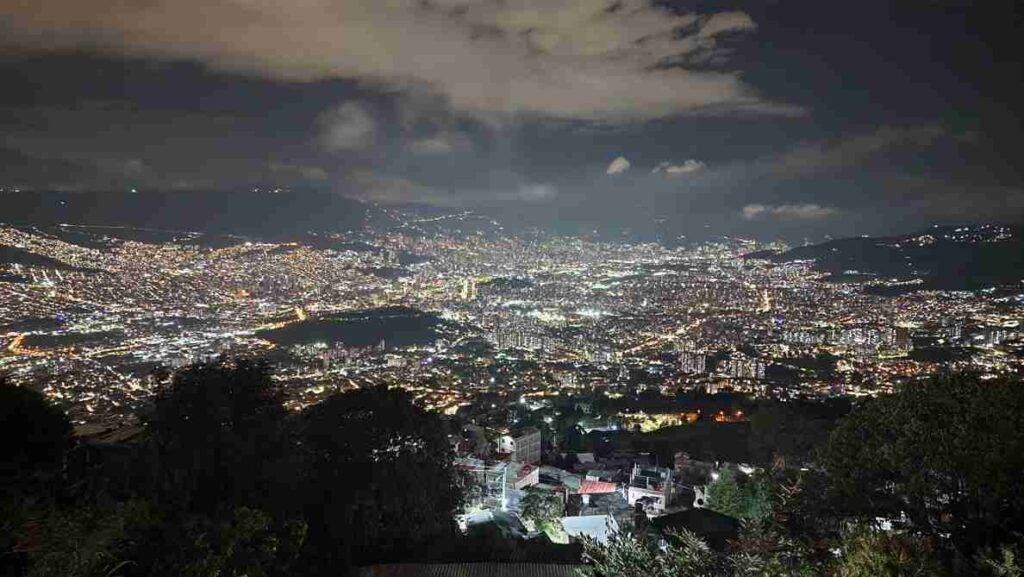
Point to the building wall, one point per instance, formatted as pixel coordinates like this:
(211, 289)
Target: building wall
(527, 448)
(634, 494)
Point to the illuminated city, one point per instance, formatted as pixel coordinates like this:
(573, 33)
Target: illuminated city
(511, 288)
(454, 318)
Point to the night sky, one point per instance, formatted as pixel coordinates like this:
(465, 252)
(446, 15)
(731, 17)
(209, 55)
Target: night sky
(795, 118)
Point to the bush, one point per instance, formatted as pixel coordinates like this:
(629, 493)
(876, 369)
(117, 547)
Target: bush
(36, 436)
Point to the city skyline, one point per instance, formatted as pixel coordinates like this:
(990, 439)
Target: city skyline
(454, 308)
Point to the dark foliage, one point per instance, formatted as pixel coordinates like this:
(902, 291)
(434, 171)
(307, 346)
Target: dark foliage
(156, 542)
(542, 507)
(867, 553)
(235, 485)
(216, 436)
(35, 438)
(36, 435)
(947, 454)
(380, 481)
(742, 497)
(791, 430)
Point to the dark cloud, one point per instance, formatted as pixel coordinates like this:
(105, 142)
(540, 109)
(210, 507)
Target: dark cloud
(559, 58)
(853, 150)
(738, 116)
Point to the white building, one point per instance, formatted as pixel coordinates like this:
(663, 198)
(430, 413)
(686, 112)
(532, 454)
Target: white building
(523, 447)
(654, 485)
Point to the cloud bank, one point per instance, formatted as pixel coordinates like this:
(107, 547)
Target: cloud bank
(818, 157)
(602, 60)
(789, 211)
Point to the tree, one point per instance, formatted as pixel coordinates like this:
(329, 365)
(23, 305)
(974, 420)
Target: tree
(946, 455)
(36, 435)
(1005, 560)
(766, 553)
(683, 555)
(543, 508)
(78, 542)
(137, 539)
(568, 434)
(764, 547)
(243, 542)
(746, 498)
(791, 430)
(767, 545)
(762, 550)
(216, 437)
(380, 482)
(867, 552)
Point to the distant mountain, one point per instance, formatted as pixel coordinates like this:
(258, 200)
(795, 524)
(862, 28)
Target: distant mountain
(15, 255)
(944, 258)
(256, 214)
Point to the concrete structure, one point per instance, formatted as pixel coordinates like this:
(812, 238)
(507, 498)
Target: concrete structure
(523, 447)
(597, 527)
(653, 484)
(592, 486)
(487, 483)
(525, 475)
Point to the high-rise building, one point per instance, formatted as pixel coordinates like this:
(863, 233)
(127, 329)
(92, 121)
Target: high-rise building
(692, 363)
(468, 291)
(741, 366)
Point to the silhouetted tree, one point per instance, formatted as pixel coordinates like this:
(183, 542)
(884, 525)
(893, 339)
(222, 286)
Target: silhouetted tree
(791, 430)
(767, 544)
(947, 454)
(1004, 560)
(216, 438)
(35, 436)
(243, 542)
(380, 482)
(75, 542)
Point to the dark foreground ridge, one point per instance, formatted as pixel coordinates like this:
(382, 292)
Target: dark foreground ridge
(219, 478)
(469, 570)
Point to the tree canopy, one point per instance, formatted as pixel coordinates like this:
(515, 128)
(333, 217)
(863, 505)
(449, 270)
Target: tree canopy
(743, 497)
(215, 434)
(380, 476)
(543, 508)
(945, 457)
(234, 484)
(36, 435)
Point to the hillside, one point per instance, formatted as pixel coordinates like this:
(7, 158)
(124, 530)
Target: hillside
(943, 258)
